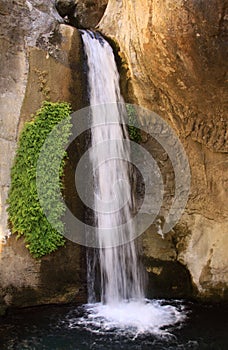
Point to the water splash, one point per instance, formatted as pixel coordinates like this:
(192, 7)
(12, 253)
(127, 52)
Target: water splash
(130, 318)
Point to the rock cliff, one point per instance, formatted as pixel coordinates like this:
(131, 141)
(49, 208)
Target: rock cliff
(174, 58)
(41, 60)
(81, 13)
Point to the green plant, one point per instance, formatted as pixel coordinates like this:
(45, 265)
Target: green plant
(133, 125)
(26, 216)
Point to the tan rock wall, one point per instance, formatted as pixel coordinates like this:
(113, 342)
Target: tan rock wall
(174, 52)
(206, 255)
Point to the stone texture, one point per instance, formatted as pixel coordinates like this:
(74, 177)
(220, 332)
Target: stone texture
(65, 7)
(205, 254)
(89, 13)
(173, 61)
(82, 13)
(178, 48)
(168, 276)
(53, 279)
(12, 89)
(36, 54)
(48, 68)
(161, 249)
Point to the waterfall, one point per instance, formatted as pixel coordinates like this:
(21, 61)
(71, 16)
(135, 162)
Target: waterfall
(122, 307)
(120, 274)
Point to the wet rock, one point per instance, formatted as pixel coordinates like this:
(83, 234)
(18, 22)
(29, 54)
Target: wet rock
(65, 7)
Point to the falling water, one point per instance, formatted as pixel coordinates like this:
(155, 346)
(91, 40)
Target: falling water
(122, 305)
(119, 269)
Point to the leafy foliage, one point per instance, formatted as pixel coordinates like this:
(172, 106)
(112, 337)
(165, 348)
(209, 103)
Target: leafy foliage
(25, 213)
(133, 125)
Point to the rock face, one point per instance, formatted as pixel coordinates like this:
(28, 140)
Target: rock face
(58, 278)
(16, 36)
(81, 13)
(37, 53)
(174, 59)
(65, 7)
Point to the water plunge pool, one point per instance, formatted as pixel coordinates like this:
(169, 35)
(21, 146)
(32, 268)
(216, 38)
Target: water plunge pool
(171, 325)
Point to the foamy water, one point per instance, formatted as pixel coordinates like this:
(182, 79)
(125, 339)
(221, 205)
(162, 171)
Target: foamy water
(131, 318)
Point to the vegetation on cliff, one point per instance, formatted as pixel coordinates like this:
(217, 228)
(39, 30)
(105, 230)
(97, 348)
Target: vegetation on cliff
(26, 215)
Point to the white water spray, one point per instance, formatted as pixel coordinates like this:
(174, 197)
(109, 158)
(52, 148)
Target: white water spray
(122, 294)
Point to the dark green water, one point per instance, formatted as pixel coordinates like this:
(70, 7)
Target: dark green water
(63, 328)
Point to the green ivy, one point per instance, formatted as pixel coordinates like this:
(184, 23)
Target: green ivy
(133, 125)
(26, 216)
